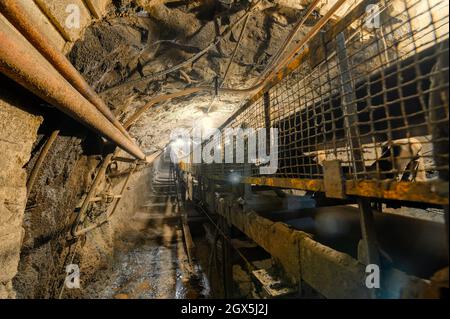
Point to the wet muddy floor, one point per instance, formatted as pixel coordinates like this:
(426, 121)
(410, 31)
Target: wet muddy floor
(150, 259)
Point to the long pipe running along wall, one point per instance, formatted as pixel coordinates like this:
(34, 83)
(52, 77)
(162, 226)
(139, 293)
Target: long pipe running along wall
(17, 14)
(20, 61)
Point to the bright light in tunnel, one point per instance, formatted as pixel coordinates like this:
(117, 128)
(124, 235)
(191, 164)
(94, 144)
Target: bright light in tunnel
(234, 177)
(178, 142)
(181, 142)
(206, 122)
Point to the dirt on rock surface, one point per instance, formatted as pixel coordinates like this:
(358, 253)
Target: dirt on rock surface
(125, 57)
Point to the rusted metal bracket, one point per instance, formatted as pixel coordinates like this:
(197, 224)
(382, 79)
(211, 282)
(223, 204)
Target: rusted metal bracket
(92, 191)
(124, 159)
(78, 232)
(273, 287)
(333, 179)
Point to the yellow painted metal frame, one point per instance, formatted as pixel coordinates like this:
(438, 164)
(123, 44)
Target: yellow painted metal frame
(433, 192)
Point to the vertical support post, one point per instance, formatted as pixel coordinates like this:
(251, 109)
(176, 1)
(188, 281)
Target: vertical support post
(247, 187)
(350, 110)
(349, 106)
(368, 232)
(203, 189)
(267, 121)
(438, 112)
(227, 261)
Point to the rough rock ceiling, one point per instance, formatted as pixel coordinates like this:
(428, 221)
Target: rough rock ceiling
(119, 55)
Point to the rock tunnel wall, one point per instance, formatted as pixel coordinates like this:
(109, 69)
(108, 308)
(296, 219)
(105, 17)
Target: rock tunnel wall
(18, 127)
(34, 235)
(33, 230)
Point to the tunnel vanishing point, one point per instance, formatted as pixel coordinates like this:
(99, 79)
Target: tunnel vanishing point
(333, 182)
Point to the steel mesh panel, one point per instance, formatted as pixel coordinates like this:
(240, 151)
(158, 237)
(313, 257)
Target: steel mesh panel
(378, 101)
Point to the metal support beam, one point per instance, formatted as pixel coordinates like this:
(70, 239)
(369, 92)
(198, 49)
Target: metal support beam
(332, 273)
(369, 239)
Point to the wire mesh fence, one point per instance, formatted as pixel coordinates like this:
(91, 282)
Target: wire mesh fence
(372, 94)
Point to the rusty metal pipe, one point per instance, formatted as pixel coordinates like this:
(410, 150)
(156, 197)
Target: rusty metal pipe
(92, 9)
(157, 99)
(124, 159)
(90, 228)
(40, 160)
(17, 14)
(311, 33)
(20, 61)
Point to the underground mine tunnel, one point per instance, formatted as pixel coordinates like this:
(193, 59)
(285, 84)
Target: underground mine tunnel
(201, 149)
